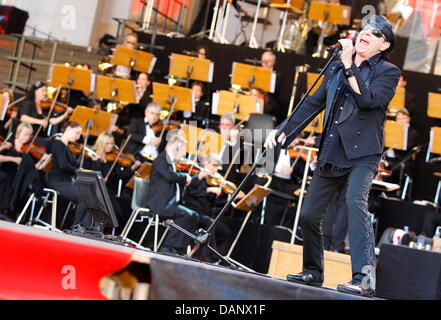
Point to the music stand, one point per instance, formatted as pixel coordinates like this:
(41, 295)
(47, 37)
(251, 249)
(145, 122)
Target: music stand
(188, 67)
(398, 100)
(287, 6)
(212, 141)
(251, 200)
(434, 105)
(143, 172)
(102, 121)
(310, 78)
(137, 60)
(72, 78)
(163, 94)
(248, 76)
(110, 88)
(395, 135)
(239, 104)
(95, 198)
(328, 13)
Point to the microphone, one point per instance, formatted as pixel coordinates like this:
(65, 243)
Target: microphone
(335, 47)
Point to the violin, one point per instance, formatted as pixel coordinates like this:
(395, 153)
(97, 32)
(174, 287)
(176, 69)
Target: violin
(188, 166)
(58, 106)
(11, 109)
(125, 159)
(171, 126)
(228, 187)
(302, 154)
(35, 150)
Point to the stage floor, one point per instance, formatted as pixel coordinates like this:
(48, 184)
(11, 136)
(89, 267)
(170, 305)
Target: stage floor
(41, 264)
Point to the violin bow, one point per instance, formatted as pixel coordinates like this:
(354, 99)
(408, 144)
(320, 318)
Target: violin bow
(117, 158)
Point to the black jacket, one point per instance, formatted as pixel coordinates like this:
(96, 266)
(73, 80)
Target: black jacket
(361, 121)
(162, 188)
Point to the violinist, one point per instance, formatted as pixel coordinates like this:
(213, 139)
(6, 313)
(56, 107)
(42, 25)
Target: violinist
(101, 159)
(164, 195)
(201, 197)
(10, 123)
(62, 174)
(131, 42)
(144, 143)
(230, 148)
(32, 110)
(10, 159)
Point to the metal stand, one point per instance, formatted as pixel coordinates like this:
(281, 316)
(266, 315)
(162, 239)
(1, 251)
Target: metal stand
(202, 238)
(283, 18)
(253, 41)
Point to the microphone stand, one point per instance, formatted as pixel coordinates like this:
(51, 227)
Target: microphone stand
(202, 237)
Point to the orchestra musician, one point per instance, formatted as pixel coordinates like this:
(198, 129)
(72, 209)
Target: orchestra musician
(11, 121)
(62, 174)
(32, 111)
(11, 154)
(164, 195)
(201, 197)
(201, 111)
(351, 149)
(130, 41)
(144, 143)
(268, 60)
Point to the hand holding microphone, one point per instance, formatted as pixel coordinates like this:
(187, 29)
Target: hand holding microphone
(346, 52)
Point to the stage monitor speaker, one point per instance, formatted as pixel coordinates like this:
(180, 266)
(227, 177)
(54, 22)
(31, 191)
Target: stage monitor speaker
(12, 20)
(408, 274)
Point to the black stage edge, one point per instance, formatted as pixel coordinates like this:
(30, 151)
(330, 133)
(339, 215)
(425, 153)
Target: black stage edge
(419, 84)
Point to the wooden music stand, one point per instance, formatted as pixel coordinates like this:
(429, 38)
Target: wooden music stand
(110, 88)
(162, 94)
(330, 12)
(434, 105)
(310, 78)
(295, 6)
(71, 77)
(248, 203)
(395, 135)
(143, 172)
(212, 141)
(188, 67)
(248, 76)
(398, 101)
(102, 121)
(134, 59)
(239, 104)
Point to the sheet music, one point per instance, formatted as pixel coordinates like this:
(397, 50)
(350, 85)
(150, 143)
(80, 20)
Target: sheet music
(273, 82)
(210, 72)
(405, 133)
(214, 102)
(152, 65)
(389, 186)
(92, 82)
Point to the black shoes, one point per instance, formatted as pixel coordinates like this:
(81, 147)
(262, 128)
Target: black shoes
(304, 278)
(356, 287)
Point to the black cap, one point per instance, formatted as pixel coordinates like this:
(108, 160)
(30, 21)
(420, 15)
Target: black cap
(382, 24)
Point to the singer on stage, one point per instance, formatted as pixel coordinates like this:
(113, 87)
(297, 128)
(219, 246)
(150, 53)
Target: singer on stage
(355, 93)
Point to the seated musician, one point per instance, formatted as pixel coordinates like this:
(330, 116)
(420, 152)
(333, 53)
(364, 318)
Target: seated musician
(144, 90)
(201, 112)
(62, 174)
(286, 177)
(164, 194)
(131, 42)
(201, 197)
(144, 143)
(32, 110)
(202, 52)
(80, 97)
(267, 103)
(10, 122)
(268, 60)
(394, 157)
(11, 154)
(101, 160)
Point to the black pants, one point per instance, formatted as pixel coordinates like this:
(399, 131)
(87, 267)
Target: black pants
(186, 219)
(335, 222)
(70, 192)
(361, 235)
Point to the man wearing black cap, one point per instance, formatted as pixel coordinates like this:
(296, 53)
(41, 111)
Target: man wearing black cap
(355, 93)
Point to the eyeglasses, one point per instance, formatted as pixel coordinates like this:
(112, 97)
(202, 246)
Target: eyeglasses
(376, 32)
